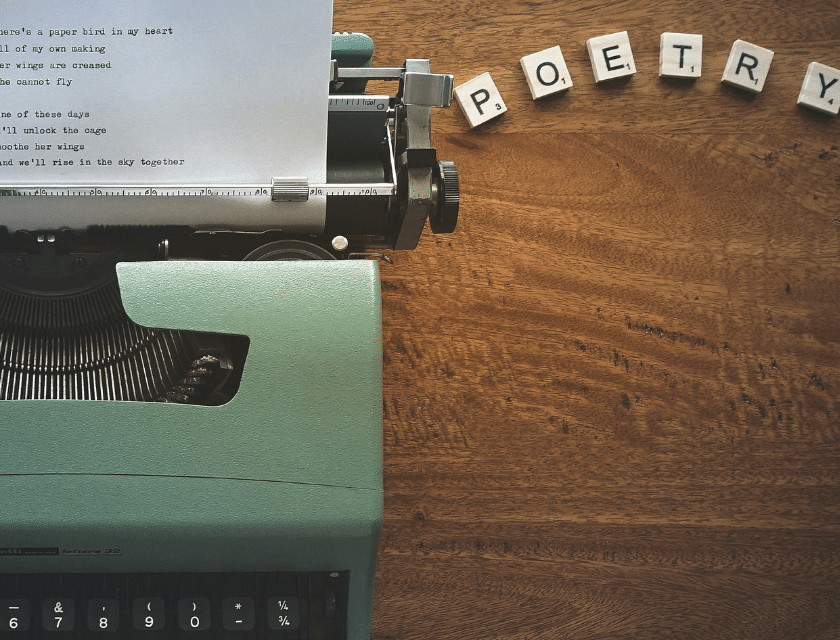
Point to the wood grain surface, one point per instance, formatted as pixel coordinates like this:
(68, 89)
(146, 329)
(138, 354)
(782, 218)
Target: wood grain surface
(612, 396)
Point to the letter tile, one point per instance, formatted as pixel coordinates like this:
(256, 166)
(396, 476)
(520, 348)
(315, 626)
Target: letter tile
(546, 72)
(611, 56)
(747, 66)
(680, 55)
(821, 89)
(480, 100)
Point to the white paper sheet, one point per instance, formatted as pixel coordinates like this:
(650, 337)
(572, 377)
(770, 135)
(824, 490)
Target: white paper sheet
(163, 92)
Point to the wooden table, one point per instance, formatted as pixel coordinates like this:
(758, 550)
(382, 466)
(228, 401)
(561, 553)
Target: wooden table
(612, 397)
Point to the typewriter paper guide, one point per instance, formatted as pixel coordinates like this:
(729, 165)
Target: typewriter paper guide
(161, 93)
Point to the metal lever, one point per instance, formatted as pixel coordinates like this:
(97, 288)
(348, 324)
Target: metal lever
(367, 73)
(428, 89)
(419, 88)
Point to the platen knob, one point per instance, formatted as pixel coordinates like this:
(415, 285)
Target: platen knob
(445, 218)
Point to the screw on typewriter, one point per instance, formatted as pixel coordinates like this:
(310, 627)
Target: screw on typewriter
(63, 331)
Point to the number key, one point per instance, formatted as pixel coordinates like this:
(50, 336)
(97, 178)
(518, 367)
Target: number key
(14, 615)
(148, 614)
(194, 614)
(58, 614)
(103, 614)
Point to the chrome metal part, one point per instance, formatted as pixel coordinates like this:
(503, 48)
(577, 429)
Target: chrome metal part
(340, 243)
(138, 191)
(352, 103)
(289, 190)
(419, 87)
(299, 189)
(370, 73)
(428, 89)
(416, 158)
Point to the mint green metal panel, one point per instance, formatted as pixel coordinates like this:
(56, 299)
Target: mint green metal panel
(286, 476)
(352, 49)
(186, 524)
(309, 402)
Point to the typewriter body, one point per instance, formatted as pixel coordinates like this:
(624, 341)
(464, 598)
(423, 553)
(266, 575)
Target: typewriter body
(191, 418)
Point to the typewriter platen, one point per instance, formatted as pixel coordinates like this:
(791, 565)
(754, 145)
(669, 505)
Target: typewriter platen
(191, 418)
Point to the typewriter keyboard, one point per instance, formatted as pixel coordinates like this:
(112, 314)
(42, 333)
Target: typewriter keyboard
(235, 606)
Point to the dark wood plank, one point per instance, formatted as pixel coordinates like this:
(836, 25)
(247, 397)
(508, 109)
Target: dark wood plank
(612, 397)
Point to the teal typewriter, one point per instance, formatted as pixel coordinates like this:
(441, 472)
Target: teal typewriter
(191, 378)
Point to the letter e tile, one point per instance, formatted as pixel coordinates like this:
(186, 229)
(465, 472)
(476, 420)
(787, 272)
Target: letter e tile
(611, 56)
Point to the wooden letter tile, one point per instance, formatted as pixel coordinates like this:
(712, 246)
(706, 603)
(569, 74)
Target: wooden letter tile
(680, 55)
(611, 56)
(747, 66)
(821, 89)
(480, 100)
(546, 72)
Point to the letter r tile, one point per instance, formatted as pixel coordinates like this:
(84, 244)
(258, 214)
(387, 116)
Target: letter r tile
(611, 56)
(748, 66)
(480, 100)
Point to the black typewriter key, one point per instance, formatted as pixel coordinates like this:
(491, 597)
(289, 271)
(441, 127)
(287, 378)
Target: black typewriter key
(238, 614)
(103, 615)
(58, 614)
(283, 614)
(194, 614)
(148, 614)
(14, 615)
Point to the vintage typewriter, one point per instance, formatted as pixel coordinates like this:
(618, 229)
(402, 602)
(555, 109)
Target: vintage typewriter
(191, 419)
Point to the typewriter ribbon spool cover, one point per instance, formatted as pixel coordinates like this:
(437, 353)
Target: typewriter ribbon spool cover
(273, 496)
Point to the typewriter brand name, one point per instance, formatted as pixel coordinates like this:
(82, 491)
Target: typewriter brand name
(91, 552)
